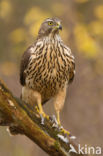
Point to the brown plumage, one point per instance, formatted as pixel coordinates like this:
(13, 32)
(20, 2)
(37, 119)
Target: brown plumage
(47, 67)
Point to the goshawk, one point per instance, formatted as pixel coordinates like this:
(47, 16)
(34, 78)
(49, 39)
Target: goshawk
(47, 67)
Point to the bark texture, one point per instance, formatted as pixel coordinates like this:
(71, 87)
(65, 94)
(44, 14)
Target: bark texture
(21, 118)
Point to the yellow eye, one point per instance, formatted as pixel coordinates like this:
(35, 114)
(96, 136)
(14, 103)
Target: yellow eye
(50, 23)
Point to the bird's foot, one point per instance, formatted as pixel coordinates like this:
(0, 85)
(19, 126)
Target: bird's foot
(42, 115)
(58, 125)
(54, 121)
(64, 131)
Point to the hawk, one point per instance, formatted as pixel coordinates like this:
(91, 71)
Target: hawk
(47, 67)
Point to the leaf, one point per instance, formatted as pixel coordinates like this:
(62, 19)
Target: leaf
(84, 42)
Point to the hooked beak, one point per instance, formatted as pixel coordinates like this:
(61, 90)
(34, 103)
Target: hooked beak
(59, 26)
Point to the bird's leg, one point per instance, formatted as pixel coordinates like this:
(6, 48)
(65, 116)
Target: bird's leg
(59, 124)
(40, 108)
(58, 104)
(31, 96)
(58, 117)
(41, 111)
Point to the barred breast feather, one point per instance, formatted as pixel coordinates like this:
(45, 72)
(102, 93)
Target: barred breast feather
(47, 66)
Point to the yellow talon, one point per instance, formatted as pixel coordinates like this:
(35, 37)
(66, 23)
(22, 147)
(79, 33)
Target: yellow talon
(65, 131)
(44, 115)
(37, 109)
(59, 124)
(41, 112)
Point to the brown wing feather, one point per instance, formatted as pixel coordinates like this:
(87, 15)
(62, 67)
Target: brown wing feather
(72, 72)
(23, 65)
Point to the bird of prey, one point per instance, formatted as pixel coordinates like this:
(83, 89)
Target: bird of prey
(47, 67)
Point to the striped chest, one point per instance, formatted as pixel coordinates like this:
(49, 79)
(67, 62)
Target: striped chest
(49, 66)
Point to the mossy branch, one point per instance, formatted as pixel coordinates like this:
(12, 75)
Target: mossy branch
(22, 119)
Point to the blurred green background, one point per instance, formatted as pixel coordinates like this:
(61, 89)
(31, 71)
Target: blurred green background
(82, 22)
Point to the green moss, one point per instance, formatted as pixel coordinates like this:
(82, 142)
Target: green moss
(57, 145)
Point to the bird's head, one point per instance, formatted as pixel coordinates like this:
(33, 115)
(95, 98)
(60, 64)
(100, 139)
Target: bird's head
(50, 26)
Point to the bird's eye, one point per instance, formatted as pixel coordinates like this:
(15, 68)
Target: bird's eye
(50, 23)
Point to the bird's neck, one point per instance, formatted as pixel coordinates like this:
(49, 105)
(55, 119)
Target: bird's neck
(51, 38)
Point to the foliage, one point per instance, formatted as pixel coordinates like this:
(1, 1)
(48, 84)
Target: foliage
(82, 22)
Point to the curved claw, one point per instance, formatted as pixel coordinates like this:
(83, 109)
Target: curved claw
(54, 121)
(42, 115)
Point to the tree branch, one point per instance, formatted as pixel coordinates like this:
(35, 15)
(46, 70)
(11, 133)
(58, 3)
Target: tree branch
(23, 119)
